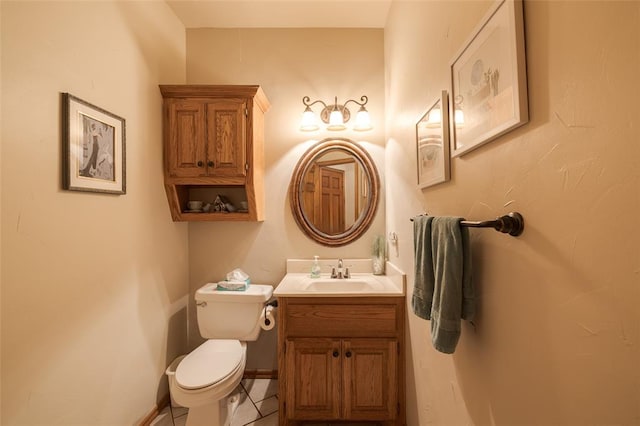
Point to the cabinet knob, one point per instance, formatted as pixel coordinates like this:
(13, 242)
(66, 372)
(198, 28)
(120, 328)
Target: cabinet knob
(336, 354)
(200, 163)
(348, 354)
(210, 163)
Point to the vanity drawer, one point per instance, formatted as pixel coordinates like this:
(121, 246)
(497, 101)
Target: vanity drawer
(340, 319)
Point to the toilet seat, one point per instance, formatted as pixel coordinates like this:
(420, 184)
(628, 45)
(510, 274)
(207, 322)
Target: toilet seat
(209, 363)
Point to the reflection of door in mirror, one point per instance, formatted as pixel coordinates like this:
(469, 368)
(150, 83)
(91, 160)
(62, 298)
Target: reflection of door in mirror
(332, 196)
(331, 192)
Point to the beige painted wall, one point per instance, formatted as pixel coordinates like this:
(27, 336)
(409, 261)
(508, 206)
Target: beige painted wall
(556, 338)
(288, 64)
(94, 287)
(0, 211)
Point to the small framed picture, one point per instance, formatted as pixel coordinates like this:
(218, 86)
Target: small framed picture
(93, 145)
(489, 80)
(432, 144)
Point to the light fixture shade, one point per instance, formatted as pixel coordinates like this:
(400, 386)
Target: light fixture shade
(309, 122)
(363, 121)
(336, 121)
(435, 118)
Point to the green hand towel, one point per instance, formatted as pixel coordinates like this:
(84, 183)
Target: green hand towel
(443, 287)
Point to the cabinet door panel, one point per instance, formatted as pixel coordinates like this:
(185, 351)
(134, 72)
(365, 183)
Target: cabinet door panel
(186, 147)
(370, 379)
(313, 379)
(226, 138)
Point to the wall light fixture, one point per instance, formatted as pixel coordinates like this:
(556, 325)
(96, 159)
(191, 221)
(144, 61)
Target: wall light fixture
(335, 115)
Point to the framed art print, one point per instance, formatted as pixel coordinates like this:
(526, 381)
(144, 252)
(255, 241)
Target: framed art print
(93, 148)
(432, 144)
(489, 81)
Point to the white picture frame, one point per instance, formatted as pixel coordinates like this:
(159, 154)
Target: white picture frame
(432, 144)
(488, 93)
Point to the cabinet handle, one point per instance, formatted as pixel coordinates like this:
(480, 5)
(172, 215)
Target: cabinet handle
(210, 163)
(348, 354)
(336, 354)
(200, 163)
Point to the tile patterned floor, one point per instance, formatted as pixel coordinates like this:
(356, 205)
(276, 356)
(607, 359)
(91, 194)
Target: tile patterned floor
(258, 406)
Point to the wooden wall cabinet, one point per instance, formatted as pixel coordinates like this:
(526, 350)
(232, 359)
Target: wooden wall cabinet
(214, 145)
(341, 359)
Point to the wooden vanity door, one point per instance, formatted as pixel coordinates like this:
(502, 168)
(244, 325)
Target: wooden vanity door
(370, 379)
(313, 378)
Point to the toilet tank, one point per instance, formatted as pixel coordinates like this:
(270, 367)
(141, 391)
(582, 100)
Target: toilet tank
(231, 314)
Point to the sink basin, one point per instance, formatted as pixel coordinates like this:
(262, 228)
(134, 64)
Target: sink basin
(365, 284)
(340, 286)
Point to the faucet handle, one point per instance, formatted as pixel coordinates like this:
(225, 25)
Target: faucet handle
(346, 273)
(333, 272)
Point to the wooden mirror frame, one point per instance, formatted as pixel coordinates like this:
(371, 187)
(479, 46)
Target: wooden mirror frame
(364, 220)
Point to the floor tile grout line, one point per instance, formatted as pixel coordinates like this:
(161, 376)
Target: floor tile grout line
(254, 403)
(262, 416)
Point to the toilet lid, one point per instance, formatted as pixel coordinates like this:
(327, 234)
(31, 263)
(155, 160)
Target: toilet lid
(209, 363)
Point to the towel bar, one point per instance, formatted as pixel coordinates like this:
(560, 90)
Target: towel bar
(512, 224)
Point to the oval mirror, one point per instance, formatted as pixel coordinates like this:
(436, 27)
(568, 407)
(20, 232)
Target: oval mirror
(334, 192)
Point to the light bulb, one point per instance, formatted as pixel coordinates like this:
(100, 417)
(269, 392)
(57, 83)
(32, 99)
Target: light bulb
(435, 117)
(309, 122)
(336, 121)
(363, 121)
(459, 118)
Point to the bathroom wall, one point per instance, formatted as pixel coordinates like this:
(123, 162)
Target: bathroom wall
(0, 210)
(557, 331)
(288, 64)
(94, 287)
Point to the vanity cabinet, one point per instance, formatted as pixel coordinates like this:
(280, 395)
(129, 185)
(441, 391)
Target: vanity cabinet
(341, 359)
(213, 145)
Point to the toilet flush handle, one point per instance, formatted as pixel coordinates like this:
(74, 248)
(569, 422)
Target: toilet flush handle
(201, 304)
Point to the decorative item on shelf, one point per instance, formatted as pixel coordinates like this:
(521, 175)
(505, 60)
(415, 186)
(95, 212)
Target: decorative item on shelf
(378, 254)
(335, 115)
(222, 204)
(194, 206)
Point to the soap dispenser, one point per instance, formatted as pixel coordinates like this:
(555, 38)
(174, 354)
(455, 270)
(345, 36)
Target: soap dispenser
(315, 268)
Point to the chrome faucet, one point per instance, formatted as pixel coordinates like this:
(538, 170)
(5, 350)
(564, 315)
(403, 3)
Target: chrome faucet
(339, 273)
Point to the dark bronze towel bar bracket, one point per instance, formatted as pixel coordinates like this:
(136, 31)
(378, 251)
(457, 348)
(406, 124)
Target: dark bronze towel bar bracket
(512, 224)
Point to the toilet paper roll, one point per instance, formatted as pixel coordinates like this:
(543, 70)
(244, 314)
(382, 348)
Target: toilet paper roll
(268, 318)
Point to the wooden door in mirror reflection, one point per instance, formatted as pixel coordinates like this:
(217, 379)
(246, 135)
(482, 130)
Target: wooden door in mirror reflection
(332, 195)
(323, 194)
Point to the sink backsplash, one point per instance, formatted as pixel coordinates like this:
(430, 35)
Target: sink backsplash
(356, 266)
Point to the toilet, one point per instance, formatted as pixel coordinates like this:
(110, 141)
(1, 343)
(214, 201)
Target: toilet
(205, 379)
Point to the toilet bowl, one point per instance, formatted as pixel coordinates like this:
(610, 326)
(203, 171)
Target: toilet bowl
(204, 381)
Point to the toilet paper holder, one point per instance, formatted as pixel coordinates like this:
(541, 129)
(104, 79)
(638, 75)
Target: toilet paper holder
(274, 304)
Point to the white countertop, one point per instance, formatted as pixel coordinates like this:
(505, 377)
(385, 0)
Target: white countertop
(362, 283)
